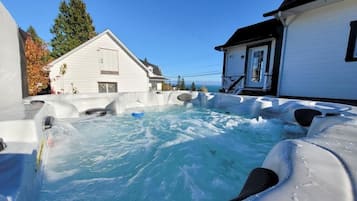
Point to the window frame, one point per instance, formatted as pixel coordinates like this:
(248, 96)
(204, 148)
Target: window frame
(108, 70)
(351, 54)
(107, 87)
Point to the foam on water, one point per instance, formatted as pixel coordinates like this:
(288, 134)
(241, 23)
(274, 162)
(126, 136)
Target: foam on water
(173, 153)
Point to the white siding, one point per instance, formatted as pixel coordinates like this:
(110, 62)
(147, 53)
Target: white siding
(84, 66)
(235, 60)
(235, 64)
(315, 51)
(10, 68)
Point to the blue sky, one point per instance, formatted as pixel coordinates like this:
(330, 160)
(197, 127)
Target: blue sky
(177, 35)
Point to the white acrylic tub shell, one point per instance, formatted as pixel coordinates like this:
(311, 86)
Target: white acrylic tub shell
(20, 162)
(320, 166)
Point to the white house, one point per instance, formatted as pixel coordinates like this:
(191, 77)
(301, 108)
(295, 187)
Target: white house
(317, 58)
(156, 78)
(103, 64)
(252, 58)
(13, 84)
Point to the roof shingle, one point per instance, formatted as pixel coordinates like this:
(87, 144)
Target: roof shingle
(288, 4)
(156, 70)
(255, 32)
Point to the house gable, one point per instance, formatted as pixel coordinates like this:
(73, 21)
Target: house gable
(100, 62)
(154, 71)
(113, 37)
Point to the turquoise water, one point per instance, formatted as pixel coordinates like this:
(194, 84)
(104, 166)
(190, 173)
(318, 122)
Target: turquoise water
(172, 153)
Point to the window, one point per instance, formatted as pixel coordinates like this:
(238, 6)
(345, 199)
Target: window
(108, 61)
(257, 65)
(352, 44)
(107, 87)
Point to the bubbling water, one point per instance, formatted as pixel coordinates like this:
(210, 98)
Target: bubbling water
(172, 153)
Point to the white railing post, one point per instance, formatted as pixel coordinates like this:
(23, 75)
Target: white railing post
(265, 85)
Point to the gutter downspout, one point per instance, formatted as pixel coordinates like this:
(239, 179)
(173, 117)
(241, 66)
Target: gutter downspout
(283, 50)
(286, 24)
(224, 69)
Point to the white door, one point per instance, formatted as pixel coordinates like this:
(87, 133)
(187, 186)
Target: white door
(257, 62)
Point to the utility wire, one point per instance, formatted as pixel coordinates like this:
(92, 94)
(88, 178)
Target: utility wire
(206, 74)
(198, 74)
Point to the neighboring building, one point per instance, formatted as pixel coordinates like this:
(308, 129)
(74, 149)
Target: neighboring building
(252, 58)
(155, 76)
(13, 84)
(318, 56)
(103, 64)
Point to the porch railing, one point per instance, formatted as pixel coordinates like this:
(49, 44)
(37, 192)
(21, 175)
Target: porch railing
(234, 87)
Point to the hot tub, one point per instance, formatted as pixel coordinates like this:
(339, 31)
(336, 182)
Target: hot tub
(304, 160)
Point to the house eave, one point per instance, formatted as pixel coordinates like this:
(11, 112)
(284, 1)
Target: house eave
(224, 47)
(300, 7)
(157, 79)
(271, 28)
(271, 13)
(219, 48)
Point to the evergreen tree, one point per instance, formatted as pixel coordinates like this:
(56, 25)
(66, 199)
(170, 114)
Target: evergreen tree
(193, 86)
(178, 85)
(183, 85)
(32, 32)
(46, 57)
(72, 27)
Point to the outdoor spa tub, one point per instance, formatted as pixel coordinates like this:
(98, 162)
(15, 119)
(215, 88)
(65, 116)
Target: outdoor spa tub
(177, 146)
